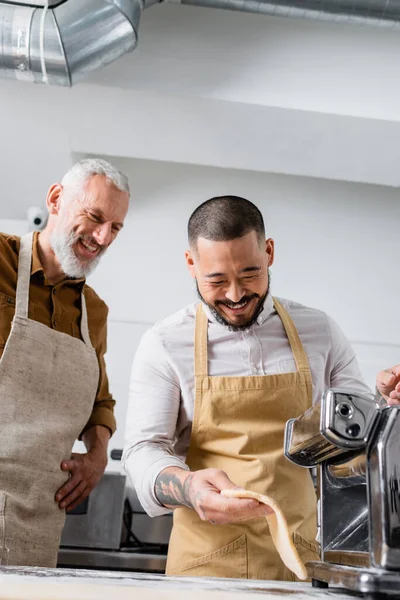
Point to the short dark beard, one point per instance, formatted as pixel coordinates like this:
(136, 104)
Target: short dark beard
(259, 308)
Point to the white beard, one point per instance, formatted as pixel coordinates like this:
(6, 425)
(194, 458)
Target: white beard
(61, 243)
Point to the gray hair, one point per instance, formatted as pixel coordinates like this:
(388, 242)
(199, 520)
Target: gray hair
(80, 173)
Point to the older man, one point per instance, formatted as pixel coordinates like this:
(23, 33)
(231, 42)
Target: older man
(53, 382)
(212, 388)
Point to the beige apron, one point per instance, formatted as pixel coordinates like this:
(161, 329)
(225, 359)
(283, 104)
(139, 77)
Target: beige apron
(238, 426)
(48, 384)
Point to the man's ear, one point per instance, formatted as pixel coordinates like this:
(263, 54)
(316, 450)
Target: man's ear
(190, 262)
(53, 199)
(270, 250)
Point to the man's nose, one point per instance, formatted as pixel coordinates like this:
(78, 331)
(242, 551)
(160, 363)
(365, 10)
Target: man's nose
(235, 292)
(103, 234)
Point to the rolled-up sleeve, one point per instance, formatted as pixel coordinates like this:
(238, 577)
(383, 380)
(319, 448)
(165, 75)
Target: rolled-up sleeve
(154, 400)
(103, 407)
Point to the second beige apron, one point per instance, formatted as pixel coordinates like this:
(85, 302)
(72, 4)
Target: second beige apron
(238, 427)
(48, 384)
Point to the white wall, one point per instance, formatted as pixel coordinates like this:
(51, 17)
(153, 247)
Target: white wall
(13, 226)
(247, 58)
(336, 243)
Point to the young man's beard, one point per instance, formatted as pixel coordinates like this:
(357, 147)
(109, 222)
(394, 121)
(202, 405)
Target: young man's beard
(256, 313)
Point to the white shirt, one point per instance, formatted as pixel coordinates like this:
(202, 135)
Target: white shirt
(161, 398)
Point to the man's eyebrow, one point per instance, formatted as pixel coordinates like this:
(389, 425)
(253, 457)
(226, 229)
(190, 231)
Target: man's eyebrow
(245, 270)
(248, 269)
(214, 275)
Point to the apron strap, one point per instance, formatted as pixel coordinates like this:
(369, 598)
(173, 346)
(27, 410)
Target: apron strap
(201, 335)
(23, 283)
(297, 347)
(200, 343)
(24, 275)
(84, 322)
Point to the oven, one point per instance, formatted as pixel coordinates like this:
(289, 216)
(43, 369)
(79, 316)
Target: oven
(110, 530)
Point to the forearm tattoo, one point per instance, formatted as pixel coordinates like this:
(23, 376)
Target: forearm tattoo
(171, 491)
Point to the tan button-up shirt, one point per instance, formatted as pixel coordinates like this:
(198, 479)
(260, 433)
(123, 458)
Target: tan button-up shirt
(59, 307)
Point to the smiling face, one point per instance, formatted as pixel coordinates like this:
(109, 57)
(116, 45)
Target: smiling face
(232, 277)
(86, 223)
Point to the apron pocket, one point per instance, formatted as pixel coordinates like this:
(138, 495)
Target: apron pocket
(229, 561)
(308, 550)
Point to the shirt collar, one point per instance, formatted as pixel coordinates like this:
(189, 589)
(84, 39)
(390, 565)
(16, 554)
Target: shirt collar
(36, 264)
(266, 311)
(262, 317)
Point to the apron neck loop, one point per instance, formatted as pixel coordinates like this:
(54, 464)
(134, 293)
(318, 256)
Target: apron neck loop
(299, 353)
(200, 343)
(201, 335)
(23, 283)
(24, 275)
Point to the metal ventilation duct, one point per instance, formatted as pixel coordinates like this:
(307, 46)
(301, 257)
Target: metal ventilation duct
(61, 42)
(378, 13)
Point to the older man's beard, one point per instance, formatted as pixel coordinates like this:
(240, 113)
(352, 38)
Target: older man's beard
(62, 243)
(257, 311)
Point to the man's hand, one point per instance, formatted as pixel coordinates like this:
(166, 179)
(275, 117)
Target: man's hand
(85, 470)
(388, 384)
(200, 490)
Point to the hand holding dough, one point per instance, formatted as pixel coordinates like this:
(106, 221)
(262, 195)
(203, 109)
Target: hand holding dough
(278, 528)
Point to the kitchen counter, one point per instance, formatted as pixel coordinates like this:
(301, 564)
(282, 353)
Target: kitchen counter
(22, 583)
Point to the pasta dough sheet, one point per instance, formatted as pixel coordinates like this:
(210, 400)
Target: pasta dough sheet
(279, 531)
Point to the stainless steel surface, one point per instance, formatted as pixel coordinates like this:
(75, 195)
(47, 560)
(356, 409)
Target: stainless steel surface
(351, 558)
(344, 515)
(366, 581)
(359, 491)
(98, 522)
(377, 13)
(384, 486)
(350, 429)
(155, 530)
(341, 422)
(345, 507)
(344, 472)
(120, 560)
(304, 444)
(79, 36)
(110, 530)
